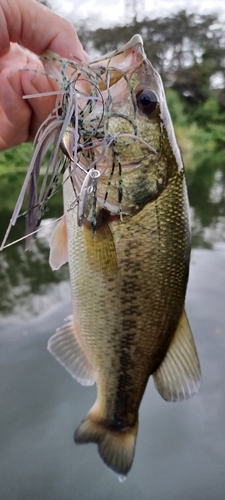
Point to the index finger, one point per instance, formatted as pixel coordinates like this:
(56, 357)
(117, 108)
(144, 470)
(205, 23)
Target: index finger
(37, 28)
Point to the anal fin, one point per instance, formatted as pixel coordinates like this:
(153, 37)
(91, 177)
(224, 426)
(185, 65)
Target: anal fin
(64, 346)
(178, 376)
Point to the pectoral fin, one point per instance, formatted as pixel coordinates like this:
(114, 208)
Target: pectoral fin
(178, 376)
(64, 345)
(58, 245)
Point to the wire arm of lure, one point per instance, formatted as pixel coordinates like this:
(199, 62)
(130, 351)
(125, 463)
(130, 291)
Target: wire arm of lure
(136, 138)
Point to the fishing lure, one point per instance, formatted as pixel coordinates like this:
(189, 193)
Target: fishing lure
(76, 139)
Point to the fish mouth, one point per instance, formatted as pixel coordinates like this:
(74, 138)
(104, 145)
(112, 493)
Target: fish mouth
(119, 62)
(133, 42)
(118, 56)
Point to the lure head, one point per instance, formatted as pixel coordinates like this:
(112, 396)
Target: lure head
(87, 195)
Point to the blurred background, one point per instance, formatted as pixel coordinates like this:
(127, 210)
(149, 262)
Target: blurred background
(181, 448)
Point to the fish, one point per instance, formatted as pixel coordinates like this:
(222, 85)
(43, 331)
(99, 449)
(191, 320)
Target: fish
(125, 234)
(129, 278)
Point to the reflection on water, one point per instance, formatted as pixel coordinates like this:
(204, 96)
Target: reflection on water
(26, 279)
(181, 447)
(207, 199)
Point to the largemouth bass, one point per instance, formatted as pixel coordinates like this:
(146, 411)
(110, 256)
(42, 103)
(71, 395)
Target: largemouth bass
(129, 275)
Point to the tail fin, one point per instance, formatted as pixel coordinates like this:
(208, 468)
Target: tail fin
(116, 447)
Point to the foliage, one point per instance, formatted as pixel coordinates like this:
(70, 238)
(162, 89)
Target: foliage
(18, 156)
(186, 49)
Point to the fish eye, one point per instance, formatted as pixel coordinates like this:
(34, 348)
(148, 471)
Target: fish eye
(147, 101)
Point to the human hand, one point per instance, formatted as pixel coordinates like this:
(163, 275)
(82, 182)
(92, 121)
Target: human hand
(37, 29)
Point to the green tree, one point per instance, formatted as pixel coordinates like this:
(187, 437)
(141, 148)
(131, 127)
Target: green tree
(187, 49)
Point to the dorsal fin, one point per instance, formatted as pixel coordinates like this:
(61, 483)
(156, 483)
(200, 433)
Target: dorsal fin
(178, 376)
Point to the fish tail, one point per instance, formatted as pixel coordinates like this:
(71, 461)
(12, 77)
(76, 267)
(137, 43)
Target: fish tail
(116, 447)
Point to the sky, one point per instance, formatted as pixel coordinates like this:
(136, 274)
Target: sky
(106, 12)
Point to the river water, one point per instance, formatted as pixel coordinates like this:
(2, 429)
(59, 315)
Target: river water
(180, 451)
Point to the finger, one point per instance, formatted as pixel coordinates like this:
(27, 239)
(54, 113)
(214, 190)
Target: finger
(21, 118)
(17, 57)
(38, 29)
(35, 82)
(15, 113)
